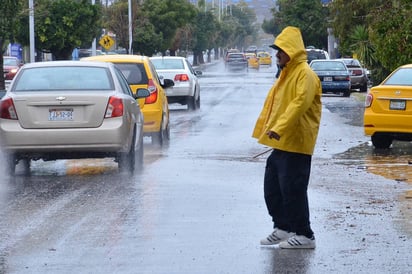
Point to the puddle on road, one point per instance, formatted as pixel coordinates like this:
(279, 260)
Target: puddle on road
(394, 163)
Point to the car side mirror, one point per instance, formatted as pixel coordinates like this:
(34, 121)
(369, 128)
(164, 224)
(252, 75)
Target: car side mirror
(141, 93)
(167, 83)
(198, 73)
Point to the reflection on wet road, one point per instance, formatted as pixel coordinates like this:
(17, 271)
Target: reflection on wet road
(394, 163)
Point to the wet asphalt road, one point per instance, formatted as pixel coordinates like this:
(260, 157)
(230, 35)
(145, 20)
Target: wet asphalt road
(197, 207)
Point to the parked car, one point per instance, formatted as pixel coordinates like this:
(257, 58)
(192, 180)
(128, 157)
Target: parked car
(316, 54)
(334, 76)
(236, 61)
(11, 65)
(264, 58)
(388, 109)
(252, 60)
(186, 90)
(141, 73)
(70, 110)
(358, 77)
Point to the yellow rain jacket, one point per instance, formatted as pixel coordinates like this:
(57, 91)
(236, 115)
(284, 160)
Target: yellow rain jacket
(293, 106)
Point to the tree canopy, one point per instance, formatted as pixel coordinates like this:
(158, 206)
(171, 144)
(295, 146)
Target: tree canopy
(9, 23)
(308, 15)
(377, 31)
(62, 25)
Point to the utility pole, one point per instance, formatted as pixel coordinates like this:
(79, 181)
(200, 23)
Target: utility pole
(31, 31)
(94, 40)
(130, 27)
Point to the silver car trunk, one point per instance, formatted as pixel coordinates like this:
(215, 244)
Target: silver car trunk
(59, 110)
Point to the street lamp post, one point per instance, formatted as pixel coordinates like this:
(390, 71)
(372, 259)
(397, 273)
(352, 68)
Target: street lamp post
(94, 40)
(31, 31)
(130, 27)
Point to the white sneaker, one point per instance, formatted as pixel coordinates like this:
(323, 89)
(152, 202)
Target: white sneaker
(276, 237)
(298, 242)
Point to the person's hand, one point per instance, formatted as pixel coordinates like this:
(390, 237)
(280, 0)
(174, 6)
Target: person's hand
(273, 135)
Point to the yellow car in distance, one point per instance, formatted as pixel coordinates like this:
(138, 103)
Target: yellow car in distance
(388, 109)
(140, 73)
(264, 58)
(252, 60)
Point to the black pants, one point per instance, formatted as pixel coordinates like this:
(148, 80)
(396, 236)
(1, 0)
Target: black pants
(285, 189)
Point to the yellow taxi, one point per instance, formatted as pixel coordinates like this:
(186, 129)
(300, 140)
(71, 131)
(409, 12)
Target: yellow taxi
(264, 58)
(388, 109)
(140, 73)
(252, 60)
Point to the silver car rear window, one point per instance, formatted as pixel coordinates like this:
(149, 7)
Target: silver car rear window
(63, 78)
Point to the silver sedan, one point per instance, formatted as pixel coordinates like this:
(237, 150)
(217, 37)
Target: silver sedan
(70, 110)
(186, 90)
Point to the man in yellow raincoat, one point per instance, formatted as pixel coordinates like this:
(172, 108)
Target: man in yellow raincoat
(289, 123)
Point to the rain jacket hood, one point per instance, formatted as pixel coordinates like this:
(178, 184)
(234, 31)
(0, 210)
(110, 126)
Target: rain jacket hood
(291, 42)
(293, 107)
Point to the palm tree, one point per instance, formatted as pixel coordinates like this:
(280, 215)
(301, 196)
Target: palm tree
(362, 46)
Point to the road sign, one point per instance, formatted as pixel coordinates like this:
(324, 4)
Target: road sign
(107, 42)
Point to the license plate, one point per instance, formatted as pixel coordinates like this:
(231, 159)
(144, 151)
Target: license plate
(327, 79)
(61, 114)
(397, 105)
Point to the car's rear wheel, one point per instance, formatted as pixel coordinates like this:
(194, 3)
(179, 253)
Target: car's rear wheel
(198, 102)
(381, 141)
(364, 87)
(139, 154)
(346, 93)
(26, 163)
(127, 160)
(163, 136)
(191, 102)
(11, 163)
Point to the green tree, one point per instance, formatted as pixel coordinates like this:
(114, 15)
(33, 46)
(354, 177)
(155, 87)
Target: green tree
(116, 18)
(270, 26)
(204, 35)
(245, 27)
(162, 18)
(62, 25)
(348, 15)
(390, 32)
(308, 15)
(362, 46)
(10, 11)
(388, 26)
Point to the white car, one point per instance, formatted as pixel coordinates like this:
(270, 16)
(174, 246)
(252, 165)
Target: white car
(186, 90)
(71, 110)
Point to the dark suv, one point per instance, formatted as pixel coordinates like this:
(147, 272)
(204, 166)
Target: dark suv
(236, 61)
(316, 54)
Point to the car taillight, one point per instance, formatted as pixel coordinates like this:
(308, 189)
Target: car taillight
(182, 77)
(357, 72)
(368, 100)
(114, 107)
(152, 98)
(7, 110)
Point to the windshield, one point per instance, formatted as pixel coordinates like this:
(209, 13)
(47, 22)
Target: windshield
(10, 62)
